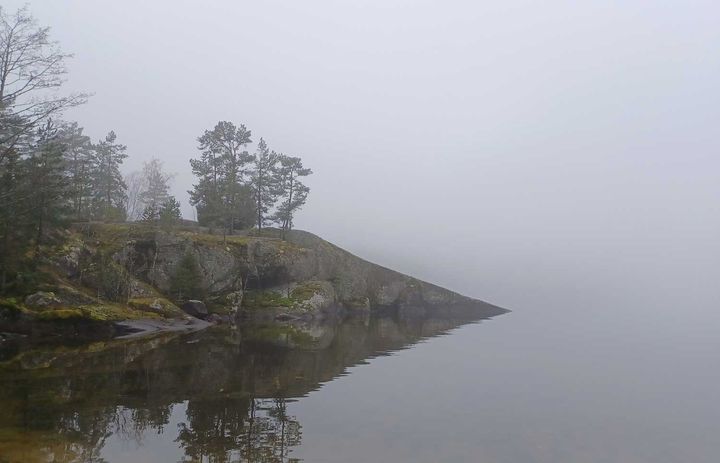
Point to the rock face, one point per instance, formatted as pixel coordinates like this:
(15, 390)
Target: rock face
(302, 274)
(103, 274)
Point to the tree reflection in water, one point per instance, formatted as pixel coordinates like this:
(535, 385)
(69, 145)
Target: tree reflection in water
(219, 396)
(234, 430)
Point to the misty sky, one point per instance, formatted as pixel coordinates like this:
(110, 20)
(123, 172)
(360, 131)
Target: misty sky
(506, 149)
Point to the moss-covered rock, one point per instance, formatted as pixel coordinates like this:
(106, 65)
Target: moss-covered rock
(306, 290)
(156, 305)
(111, 272)
(313, 295)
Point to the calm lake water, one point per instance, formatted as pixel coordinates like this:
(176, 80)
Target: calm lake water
(529, 386)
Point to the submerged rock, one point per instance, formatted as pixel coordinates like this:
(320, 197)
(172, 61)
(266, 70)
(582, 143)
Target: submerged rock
(219, 319)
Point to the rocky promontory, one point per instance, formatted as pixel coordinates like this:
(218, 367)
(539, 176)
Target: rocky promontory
(95, 275)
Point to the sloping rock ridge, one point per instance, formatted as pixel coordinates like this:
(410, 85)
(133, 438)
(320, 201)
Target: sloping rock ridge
(111, 272)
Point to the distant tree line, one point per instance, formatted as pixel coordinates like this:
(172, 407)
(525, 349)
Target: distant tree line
(52, 174)
(237, 190)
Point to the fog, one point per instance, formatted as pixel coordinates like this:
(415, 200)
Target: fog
(532, 154)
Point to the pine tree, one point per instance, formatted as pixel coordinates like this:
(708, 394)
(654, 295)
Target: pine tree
(221, 192)
(264, 181)
(12, 237)
(185, 282)
(169, 213)
(292, 192)
(150, 214)
(108, 184)
(79, 155)
(46, 184)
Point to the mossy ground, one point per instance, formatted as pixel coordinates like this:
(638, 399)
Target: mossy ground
(102, 311)
(11, 304)
(305, 291)
(95, 312)
(217, 240)
(62, 314)
(265, 299)
(111, 237)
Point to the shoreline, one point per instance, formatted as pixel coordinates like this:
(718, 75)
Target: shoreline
(130, 329)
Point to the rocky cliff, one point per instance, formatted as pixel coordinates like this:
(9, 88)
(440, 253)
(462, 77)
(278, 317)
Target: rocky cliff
(111, 272)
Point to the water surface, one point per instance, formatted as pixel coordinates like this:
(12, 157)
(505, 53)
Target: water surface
(521, 387)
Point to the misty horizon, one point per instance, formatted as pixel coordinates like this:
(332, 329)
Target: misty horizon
(556, 159)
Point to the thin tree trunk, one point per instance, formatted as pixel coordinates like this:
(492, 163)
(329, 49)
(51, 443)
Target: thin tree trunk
(6, 246)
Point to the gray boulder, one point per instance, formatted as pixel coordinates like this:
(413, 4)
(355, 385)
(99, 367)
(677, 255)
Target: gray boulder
(43, 299)
(195, 308)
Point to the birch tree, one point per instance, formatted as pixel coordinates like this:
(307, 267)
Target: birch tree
(32, 67)
(156, 185)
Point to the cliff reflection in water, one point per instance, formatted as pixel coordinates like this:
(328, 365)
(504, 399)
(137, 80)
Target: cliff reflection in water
(221, 394)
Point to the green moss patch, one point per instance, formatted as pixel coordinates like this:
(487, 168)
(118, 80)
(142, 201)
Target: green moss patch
(111, 237)
(99, 312)
(61, 314)
(305, 291)
(10, 304)
(218, 240)
(265, 299)
(155, 305)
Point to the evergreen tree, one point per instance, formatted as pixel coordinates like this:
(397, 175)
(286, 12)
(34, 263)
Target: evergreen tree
(185, 282)
(79, 156)
(13, 211)
(292, 192)
(264, 181)
(221, 194)
(205, 195)
(108, 184)
(150, 214)
(169, 213)
(46, 184)
(12, 208)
